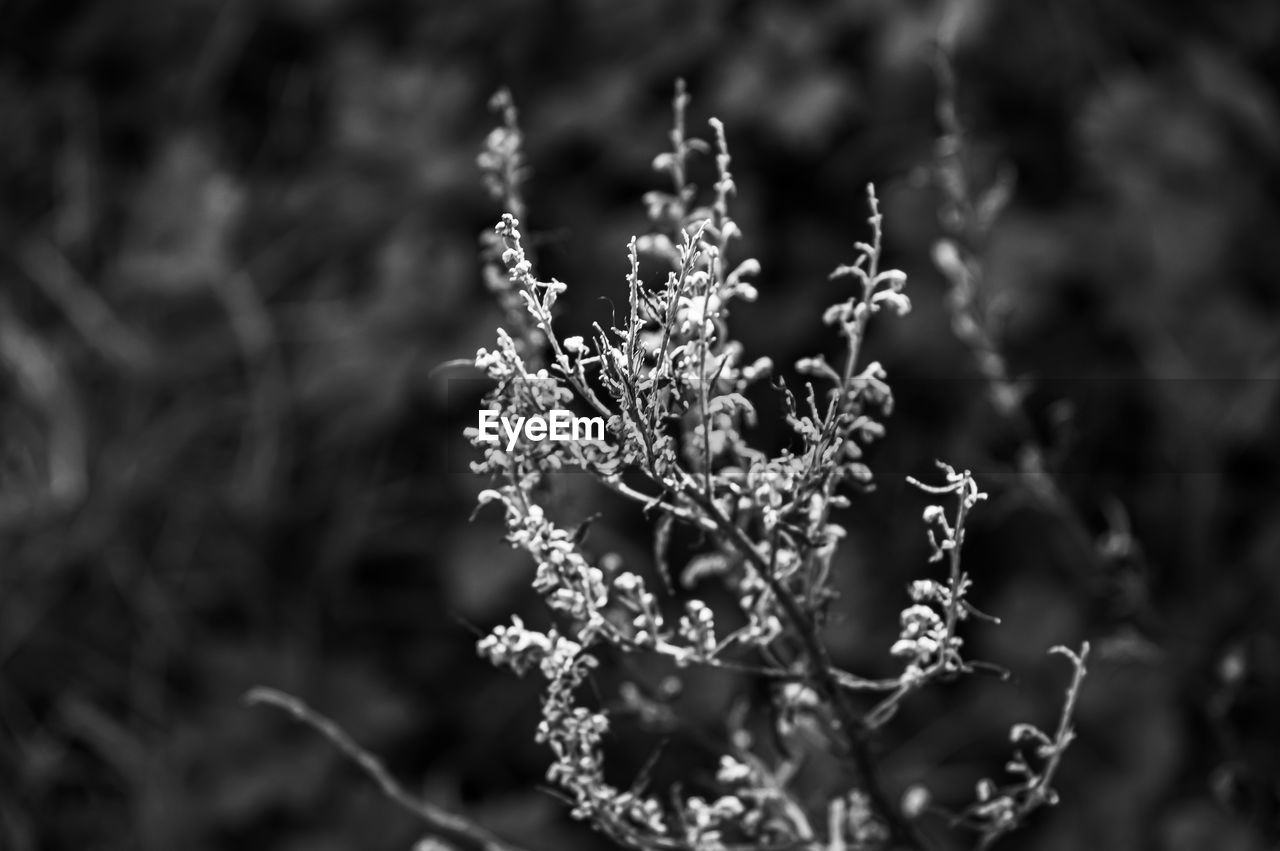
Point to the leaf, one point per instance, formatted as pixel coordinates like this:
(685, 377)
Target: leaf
(1027, 732)
(661, 543)
(731, 403)
(703, 567)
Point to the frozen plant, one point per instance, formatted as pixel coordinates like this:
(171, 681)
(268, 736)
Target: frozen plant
(672, 385)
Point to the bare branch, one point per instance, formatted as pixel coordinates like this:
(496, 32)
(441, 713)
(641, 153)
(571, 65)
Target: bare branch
(442, 823)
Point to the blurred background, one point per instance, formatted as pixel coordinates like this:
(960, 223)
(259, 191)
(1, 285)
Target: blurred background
(237, 238)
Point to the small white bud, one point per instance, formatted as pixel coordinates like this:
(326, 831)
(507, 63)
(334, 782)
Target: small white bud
(914, 801)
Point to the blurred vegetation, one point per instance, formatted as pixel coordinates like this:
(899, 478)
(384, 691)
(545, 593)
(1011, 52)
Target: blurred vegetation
(237, 238)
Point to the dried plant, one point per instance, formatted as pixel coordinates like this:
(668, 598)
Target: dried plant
(672, 386)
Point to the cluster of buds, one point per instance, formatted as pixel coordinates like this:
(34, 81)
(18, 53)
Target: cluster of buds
(670, 386)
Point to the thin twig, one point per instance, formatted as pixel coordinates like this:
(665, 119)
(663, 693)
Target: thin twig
(1065, 733)
(1040, 791)
(84, 307)
(261, 449)
(440, 822)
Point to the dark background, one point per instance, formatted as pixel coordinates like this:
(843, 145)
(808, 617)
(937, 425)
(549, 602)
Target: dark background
(236, 239)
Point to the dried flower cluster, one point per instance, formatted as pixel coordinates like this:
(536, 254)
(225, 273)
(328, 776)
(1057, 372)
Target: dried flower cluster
(673, 388)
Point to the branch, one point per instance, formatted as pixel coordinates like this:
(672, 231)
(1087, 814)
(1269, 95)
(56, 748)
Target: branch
(84, 307)
(852, 729)
(442, 823)
(1042, 793)
(1008, 811)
